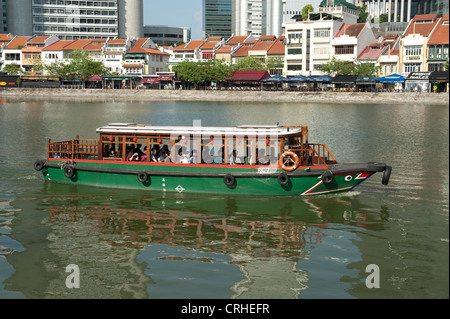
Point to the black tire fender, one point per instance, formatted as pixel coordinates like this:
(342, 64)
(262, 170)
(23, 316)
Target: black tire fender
(229, 180)
(283, 179)
(327, 177)
(39, 165)
(69, 171)
(386, 175)
(142, 177)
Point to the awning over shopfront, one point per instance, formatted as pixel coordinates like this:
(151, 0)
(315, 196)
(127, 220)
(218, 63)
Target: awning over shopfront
(166, 78)
(150, 80)
(418, 82)
(250, 75)
(392, 78)
(439, 77)
(95, 78)
(418, 76)
(366, 81)
(343, 79)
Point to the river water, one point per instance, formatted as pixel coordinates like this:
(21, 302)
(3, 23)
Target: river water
(128, 244)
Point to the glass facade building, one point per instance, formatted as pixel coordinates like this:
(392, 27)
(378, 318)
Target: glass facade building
(217, 16)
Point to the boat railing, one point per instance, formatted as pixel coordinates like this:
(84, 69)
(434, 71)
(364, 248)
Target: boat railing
(73, 149)
(322, 151)
(316, 154)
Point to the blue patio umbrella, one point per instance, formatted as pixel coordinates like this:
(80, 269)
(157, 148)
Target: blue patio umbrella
(275, 78)
(393, 78)
(298, 78)
(318, 78)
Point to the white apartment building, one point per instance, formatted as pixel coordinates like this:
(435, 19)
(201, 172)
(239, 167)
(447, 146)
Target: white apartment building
(265, 17)
(308, 44)
(76, 19)
(114, 54)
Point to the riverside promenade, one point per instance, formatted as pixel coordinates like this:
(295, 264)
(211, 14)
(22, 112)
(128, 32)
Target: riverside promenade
(223, 96)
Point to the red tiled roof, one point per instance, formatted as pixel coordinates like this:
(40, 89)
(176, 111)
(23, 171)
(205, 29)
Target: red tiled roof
(262, 45)
(194, 44)
(191, 46)
(236, 39)
(422, 28)
(214, 38)
(373, 51)
(78, 44)
(277, 48)
(117, 41)
(440, 35)
(16, 42)
(94, 47)
(224, 49)
(39, 39)
(242, 51)
(208, 45)
(352, 29)
(137, 48)
(58, 45)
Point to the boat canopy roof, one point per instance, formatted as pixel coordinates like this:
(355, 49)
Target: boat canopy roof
(242, 130)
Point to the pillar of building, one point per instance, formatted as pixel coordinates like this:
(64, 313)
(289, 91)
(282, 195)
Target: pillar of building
(389, 11)
(396, 10)
(402, 9)
(408, 15)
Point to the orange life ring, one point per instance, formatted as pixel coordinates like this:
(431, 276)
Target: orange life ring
(292, 157)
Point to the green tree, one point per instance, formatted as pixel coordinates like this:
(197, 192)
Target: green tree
(446, 65)
(249, 63)
(365, 69)
(306, 9)
(363, 13)
(12, 69)
(338, 67)
(78, 65)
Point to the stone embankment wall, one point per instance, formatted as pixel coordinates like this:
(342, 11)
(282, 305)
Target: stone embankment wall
(209, 95)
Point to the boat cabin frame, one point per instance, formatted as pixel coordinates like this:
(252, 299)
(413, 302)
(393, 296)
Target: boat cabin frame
(203, 142)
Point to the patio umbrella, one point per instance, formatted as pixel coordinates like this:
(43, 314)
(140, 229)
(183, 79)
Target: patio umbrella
(298, 78)
(275, 78)
(318, 78)
(393, 78)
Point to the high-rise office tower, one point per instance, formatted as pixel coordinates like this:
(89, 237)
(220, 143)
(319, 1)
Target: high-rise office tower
(75, 19)
(217, 16)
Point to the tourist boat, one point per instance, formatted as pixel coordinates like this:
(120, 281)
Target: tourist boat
(243, 160)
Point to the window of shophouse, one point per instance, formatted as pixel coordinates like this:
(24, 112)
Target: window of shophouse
(344, 49)
(413, 50)
(412, 67)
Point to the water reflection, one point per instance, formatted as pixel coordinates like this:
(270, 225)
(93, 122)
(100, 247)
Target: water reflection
(157, 245)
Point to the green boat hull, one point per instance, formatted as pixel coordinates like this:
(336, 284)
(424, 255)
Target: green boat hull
(210, 179)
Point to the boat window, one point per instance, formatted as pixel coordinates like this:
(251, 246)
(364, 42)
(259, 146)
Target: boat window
(136, 148)
(112, 147)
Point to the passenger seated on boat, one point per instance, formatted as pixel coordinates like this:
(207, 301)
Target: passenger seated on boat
(154, 155)
(234, 160)
(112, 152)
(165, 156)
(186, 158)
(144, 155)
(194, 157)
(219, 158)
(206, 155)
(132, 157)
